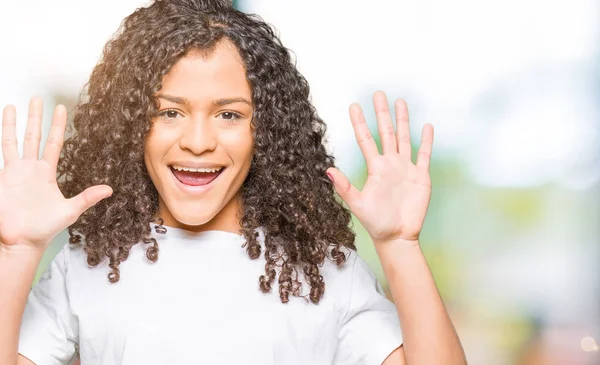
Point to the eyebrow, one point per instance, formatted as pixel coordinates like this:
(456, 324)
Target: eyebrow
(220, 102)
(174, 99)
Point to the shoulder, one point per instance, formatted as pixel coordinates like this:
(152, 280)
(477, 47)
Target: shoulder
(354, 278)
(58, 260)
(342, 273)
(353, 268)
(356, 286)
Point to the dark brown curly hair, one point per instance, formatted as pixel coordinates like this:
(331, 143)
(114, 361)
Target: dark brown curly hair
(286, 192)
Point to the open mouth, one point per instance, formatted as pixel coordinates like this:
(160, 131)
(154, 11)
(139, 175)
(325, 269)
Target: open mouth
(196, 177)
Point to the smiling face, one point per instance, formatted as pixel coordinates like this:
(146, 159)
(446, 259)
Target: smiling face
(199, 149)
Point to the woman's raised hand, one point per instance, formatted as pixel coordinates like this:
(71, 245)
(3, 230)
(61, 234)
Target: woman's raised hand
(394, 200)
(32, 208)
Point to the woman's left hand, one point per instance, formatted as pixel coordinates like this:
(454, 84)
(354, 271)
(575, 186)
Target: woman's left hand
(393, 202)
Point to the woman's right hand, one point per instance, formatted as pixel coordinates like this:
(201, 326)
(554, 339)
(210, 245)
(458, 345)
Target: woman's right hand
(32, 208)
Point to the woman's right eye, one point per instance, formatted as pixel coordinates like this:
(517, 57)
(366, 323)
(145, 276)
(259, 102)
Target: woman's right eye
(168, 114)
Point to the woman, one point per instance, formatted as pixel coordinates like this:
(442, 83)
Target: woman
(198, 185)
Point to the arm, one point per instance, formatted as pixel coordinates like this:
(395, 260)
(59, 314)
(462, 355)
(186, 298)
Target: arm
(17, 270)
(426, 325)
(392, 207)
(32, 212)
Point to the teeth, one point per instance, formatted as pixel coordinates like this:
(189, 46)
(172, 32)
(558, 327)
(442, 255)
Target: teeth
(180, 168)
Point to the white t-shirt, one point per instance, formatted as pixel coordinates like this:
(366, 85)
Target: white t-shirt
(200, 304)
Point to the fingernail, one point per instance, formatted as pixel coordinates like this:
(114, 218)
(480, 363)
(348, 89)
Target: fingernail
(330, 177)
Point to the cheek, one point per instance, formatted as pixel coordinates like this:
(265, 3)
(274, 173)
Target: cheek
(240, 146)
(157, 144)
(154, 151)
(149, 151)
(246, 151)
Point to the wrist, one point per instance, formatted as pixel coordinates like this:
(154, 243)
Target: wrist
(22, 251)
(397, 243)
(397, 252)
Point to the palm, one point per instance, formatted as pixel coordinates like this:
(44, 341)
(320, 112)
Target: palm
(394, 200)
(32, 208)
(29, 196)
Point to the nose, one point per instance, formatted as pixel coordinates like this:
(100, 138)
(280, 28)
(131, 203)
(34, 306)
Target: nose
(198, 135)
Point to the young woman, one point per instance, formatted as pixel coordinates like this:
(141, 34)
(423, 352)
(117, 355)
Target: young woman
(201, 209)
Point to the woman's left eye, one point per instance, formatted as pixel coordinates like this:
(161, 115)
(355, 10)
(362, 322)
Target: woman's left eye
(229, 115)
(168, 114)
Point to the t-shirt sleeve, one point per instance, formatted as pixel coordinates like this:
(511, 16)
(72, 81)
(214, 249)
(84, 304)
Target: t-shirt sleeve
(48, 329)
(370, 329)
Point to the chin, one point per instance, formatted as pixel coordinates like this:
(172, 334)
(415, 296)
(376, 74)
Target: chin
(193, 220)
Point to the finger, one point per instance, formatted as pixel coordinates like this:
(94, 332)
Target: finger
(385, 125)
(9, 134)
(424, 155)
(33, 131)
(403, 129)
(88, 198)
(361, 132)
(344, 188)
(54, 143)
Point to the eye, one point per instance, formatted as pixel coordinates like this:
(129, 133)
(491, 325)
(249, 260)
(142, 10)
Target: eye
(168, 114)
(229, 115)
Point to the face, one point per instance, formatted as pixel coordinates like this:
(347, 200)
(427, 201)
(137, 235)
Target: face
(199, 149)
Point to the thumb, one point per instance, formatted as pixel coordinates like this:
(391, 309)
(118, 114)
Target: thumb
(343, 187)
(89, 197)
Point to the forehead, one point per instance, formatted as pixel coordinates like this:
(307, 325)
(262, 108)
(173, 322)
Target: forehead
(208, 75)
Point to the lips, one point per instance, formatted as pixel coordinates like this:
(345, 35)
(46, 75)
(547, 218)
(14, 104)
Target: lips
(195, 178)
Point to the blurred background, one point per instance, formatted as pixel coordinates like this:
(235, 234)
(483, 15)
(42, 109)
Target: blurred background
(513, 90)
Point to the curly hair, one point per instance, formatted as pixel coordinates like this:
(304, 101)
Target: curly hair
(286, 192)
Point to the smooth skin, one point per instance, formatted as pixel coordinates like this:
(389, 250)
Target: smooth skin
(208, 125)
